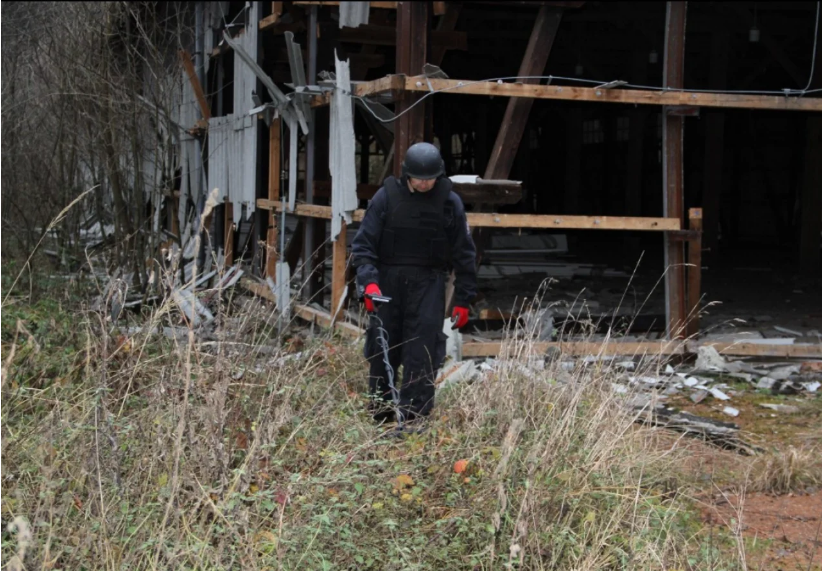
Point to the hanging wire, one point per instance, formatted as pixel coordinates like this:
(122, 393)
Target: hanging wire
(813, 58)
(550, 78)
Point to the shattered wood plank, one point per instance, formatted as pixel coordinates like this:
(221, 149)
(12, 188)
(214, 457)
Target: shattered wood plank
(725, 434)
(259, 290)
(323, 319)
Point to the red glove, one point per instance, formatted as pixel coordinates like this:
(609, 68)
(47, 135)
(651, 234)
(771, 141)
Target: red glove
(459, 317)
(371, 289)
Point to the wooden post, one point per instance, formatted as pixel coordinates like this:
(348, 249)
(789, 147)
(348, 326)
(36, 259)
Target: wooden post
(714, 143)
(672, 171)
(412, 54)
(811, 199)
(228, 239)
(338, 267)
(274, 169)
(694, 270)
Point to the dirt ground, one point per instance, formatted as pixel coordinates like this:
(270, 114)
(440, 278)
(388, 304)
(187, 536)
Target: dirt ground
(782, 532)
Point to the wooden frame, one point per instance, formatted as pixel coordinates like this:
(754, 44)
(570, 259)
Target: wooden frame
(389, 83)
(491, 220)
(682, 280)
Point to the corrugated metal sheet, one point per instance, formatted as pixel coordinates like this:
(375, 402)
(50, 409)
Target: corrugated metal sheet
(353, 14)
(342, 160)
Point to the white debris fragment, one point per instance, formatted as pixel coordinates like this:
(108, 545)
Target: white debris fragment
(627, 365)
(709, 359)
(786, 408)
(718, 394)
(690, 382)
(788, 331)
(730, 411)
(458, 373)
(812, 387)
(619, 389)
(766, 383)
(699, 396)
(669, 370)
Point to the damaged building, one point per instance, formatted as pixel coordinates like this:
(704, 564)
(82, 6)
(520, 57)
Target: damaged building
(651, 171)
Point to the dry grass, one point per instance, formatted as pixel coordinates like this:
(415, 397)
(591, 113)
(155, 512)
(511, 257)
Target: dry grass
(789, 470)
(249, 451)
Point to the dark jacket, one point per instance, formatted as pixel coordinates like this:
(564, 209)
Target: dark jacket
(366, 245)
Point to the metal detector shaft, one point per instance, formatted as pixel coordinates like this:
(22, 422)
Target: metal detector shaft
(382, 341)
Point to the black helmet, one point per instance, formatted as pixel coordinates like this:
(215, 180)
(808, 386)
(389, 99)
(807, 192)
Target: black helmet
(423, 160)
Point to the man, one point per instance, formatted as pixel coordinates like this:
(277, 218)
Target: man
(413, 232)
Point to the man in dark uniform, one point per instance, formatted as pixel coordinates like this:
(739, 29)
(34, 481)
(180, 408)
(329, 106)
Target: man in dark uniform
(414, 231)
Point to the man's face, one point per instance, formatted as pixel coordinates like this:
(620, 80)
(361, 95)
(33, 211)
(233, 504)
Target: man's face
(420, 185)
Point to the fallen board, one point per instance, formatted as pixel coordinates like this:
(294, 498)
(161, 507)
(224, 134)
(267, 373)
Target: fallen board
(493, 348)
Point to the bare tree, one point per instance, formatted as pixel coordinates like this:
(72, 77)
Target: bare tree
(90, 95)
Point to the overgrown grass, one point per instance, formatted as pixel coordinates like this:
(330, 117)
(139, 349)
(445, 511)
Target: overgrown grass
(139, 452)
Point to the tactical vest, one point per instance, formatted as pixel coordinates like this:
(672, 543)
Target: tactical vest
(414, 228)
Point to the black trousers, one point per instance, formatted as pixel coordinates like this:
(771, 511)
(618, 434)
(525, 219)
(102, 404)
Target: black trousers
(413, 322)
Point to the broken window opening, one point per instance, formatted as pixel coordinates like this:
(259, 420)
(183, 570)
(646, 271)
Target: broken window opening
(592, 132)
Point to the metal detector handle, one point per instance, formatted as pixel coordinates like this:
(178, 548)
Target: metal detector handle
(378, 298)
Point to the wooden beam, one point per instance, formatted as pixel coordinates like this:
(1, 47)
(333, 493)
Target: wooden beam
(799, 350)
(478, 219)
(274, 169)
(516, 113)
(339, 261)
(590, 94)
(412, 40)
(694, 271)
(491, 220)
(387, 84)
(185, 58)
(673, 169)
(811, 218)
(386, 36)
